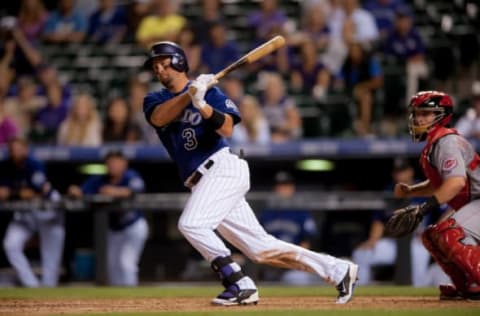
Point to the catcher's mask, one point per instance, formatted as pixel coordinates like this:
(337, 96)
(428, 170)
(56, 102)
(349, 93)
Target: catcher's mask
(168, 49)
(439, 103)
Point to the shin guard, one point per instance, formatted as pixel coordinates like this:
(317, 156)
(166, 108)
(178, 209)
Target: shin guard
(456, 275)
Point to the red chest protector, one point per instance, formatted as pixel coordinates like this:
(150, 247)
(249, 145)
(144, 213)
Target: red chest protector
(431, 172)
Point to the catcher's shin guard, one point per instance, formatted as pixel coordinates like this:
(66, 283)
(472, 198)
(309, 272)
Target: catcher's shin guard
(456, 275)
(447, 236)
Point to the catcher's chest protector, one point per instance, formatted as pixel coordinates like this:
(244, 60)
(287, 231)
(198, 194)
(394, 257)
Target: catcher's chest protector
(431, 172)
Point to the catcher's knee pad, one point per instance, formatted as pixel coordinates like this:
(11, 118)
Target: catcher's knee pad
(448, 236)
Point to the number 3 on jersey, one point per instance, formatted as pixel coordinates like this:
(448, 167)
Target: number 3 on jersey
(189, 136)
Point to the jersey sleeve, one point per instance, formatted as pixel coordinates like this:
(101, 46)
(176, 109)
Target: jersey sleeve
(219, 101)
(135, 183)
(449, 157)
(38, 178)
(150, 102)
(91, 186)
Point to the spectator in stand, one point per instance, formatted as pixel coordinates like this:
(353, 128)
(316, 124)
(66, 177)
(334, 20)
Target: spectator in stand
(163, 25)
(24, 104)
(137, 89)
(469, 124)
(186, 40)
(253, 129)
(31, 19)
(406, 47)
(8, 128)
(356, 24)
(384, 13)
(211, 14)
(83, 126)
(348, 23)
(48, 76)
(309, 76)
(107, 25)
(65, 25)
(118, 126)
(48, 119)
(234, 88)
(280, 111)
(218, 52)
(19, 55)
(267, 21)
(361, 76)
(314, 28)
(137, 10)
(7, 53)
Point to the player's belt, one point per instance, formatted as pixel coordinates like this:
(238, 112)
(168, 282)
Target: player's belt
(197, 175)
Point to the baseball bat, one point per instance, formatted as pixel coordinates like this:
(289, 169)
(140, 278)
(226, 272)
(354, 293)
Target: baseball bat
(250, 57)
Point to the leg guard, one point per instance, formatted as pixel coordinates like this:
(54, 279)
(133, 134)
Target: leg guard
(456, 275)
(460, 262)
(239, 288)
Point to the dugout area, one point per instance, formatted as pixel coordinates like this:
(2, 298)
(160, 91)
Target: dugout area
(166, 299)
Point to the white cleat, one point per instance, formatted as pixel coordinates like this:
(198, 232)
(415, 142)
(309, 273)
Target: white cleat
(347, 285)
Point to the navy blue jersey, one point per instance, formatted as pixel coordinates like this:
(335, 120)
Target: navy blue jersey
(31, 175)
(132, 180)
(293, 226)
(188, 140)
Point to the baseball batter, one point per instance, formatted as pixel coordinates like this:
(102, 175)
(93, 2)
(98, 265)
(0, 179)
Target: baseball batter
(192, 126)
(451, 166)
(23, 178)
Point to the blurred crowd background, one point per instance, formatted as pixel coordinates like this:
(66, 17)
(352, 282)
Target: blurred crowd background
(71, 70)
(71, 75)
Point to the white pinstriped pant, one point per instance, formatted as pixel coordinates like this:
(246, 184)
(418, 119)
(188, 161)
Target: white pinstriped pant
(218, 202)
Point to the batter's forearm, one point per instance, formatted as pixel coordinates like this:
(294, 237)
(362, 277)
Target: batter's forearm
(226, 129)
(170, 110)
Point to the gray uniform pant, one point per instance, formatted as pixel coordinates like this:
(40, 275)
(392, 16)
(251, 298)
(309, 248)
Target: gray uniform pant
(51, 232)
(469, 218)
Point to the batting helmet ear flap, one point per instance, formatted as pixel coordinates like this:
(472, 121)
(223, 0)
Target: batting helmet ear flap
(178, 63)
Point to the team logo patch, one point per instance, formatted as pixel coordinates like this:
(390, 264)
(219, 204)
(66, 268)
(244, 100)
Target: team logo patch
(449, 164)
(230, 104)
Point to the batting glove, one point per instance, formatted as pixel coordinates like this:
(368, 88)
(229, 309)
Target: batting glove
(197, 92)
(208, 79)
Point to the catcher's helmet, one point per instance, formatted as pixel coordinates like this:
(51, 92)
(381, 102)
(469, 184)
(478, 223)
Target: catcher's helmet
(169, 49)
(438, 102)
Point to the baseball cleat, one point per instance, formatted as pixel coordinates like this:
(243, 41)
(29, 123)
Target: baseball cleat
(347, 285)
(233, 296)
(449, 292)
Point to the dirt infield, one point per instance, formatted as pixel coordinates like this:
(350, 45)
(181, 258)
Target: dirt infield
(37, 307)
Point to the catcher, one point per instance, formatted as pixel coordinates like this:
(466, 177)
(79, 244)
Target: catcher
(451, 167)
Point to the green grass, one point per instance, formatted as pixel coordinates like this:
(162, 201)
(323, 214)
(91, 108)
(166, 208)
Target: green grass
(203, 291)
(265, 291)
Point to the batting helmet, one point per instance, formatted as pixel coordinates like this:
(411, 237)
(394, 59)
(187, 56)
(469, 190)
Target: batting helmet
(437, 102)
(168, 49)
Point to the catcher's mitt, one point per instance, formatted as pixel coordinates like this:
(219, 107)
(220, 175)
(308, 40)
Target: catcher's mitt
(404, 221)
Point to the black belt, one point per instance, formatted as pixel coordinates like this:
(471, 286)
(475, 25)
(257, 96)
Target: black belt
(197, 175)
